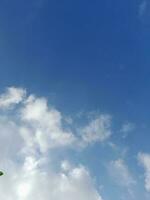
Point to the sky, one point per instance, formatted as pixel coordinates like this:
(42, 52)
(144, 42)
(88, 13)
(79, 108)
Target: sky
(74, 99)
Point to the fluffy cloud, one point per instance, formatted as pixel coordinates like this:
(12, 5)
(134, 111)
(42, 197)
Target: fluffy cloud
(30, 134)
(30, 181)
(45, 123)
(121, 174)
(11, 96)
(144, 160)
(98, 129)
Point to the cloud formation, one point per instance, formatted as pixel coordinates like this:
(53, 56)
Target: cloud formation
(144, 160)
(11, 97)
(46, 125)
(98, 129)
(121, 174)
(127, 128)
(30, 134)
(142, 7)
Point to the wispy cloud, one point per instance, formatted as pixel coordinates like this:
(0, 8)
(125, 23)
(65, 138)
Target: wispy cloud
(127, 128)
(121, 174)
(142, 7)
(144, 160)
(98, 130)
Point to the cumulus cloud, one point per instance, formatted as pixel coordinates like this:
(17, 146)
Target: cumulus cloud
(120, 173)
(30, 182)
(11, 96)
(144, 160)
(29, 137)
(45, 123)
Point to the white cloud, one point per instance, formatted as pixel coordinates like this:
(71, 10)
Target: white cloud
(45, 123)
(27, 139)
(98, 129)
(144, 160)
(120, 173)
(12, 96)
(34, 183)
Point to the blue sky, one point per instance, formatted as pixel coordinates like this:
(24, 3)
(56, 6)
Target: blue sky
(89, 61)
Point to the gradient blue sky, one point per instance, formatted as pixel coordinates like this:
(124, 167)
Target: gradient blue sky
(87, 58)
